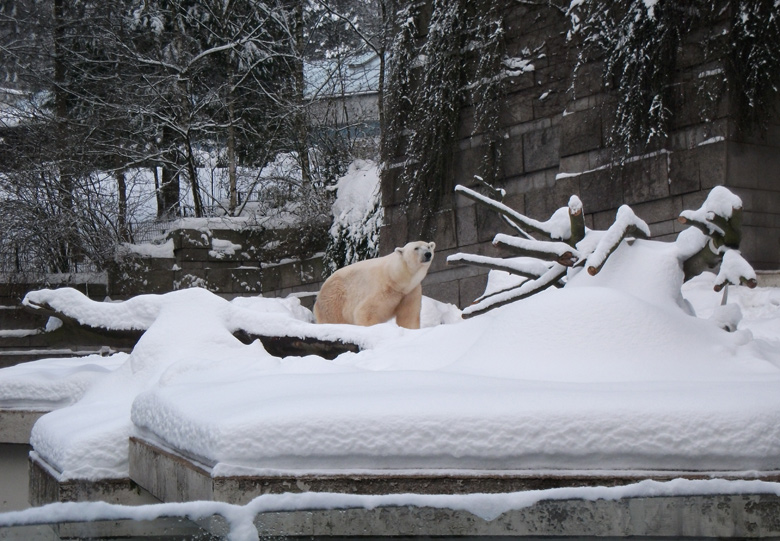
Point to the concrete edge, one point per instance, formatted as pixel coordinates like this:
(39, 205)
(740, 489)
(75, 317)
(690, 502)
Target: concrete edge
(46, 487)
(16, 425)
(704, 516)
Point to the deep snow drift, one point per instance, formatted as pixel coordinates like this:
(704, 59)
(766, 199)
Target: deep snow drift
(610, 373)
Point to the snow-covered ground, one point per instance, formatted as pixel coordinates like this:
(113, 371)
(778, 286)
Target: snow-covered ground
(613, 373)
(610, 373)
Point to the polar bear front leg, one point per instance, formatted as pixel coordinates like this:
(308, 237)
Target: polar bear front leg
(408, 312)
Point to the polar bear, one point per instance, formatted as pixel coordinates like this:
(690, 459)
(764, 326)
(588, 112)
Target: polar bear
(373, 291)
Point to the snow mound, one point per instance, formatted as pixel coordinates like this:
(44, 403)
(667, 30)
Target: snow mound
(53, 383)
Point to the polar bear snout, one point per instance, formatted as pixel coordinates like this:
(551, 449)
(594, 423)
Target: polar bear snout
(427, 256)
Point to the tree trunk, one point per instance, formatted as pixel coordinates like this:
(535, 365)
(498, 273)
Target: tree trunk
(65, 183)
(121, 185)
(168, 191)
(301, 129)
(194, 184)
(231, 155)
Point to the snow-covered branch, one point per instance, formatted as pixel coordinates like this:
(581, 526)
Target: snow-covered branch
(735, 270)
(552, 228)
(559, 252)
(525, 290)
(626, 224)
(720, 217)
(527, 267)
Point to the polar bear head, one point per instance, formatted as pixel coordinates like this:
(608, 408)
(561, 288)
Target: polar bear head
(417, 255)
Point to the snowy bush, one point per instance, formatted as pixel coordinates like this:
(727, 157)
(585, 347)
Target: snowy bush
(357, 217)
(569, 246)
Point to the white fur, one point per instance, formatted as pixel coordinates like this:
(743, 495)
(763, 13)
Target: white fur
(376, 290)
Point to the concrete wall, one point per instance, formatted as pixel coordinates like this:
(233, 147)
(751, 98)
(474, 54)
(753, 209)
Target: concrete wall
(554, 143)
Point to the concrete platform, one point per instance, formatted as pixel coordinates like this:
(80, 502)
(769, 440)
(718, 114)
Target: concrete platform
(45, 487)
(16, 424)
(170, 476)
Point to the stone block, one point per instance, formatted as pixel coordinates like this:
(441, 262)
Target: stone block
(270, 278)
(128, 280)
(312, 271)
(663, 230)
(466, 224)
(761, 246)
(471, 288)
(603, 220)
(683, 172)
(290, 274)
(392, 236)
(467, 163)
(693, 200)
(246, 280)
(769, 220)
(393, 192)
(445, 235)
(760, 201)
(713, 165)
(752, 166)
(551, 96)
(541, 149)
(442, 292)
(489, 223)
(588, 80)
(575, 164)
(661, 210)
(185, 256)
(219, 280)
(540, 204)
(190, 238)
(580, 132)
(646, 179)
(517, 108)
(511, 163)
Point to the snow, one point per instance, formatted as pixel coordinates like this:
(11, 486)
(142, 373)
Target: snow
(556, 248)
(624, 220)
(720, 202)
(356, 193)
(611, 372)
(147, 249)
(734, 268)
(53, 383)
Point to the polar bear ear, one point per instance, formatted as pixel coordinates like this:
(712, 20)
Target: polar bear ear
(432, 245)
(399, 251)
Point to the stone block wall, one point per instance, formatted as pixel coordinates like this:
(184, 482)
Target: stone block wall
(227, 262)
(554, 142)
